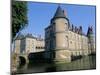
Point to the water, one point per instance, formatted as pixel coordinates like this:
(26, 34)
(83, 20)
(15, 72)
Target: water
(87, 62)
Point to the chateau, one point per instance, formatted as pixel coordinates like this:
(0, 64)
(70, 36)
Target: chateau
(62, 40)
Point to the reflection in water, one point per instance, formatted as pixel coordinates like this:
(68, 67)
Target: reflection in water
(86, 62)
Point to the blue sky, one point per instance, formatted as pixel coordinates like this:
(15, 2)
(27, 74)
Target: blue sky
(40, 14)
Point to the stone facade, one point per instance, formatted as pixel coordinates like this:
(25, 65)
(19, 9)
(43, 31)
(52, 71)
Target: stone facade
(28, 44)
(63, 40)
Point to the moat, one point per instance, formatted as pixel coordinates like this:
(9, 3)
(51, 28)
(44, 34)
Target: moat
(84, 63)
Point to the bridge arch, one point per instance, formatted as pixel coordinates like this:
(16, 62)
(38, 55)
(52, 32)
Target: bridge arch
(22, 60)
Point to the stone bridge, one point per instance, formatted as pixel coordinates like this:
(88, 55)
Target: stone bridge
(23, 58)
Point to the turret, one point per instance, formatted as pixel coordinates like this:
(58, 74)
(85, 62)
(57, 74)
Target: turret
(56, 38)
(61, 24)
(90, 34)
(90, 39)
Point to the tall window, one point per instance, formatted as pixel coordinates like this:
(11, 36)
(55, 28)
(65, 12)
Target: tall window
(67, 41)
(53, 42)
(66, 26)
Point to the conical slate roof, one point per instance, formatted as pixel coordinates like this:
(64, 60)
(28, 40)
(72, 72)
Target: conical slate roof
(59, 13)
(90, 30)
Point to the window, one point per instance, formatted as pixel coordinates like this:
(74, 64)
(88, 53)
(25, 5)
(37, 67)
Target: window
(71, 42)
(67, 41)
(66, 23)
(66, 26)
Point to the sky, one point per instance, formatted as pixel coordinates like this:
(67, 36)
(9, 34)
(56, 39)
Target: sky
(40, 14)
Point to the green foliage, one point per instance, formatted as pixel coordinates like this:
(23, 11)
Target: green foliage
(19, 16)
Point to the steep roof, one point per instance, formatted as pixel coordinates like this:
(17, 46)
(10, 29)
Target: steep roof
(20, 36)
(29, 36)
(59, 13)
(90, 30)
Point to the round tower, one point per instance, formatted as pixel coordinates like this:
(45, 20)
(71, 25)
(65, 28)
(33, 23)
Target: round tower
(61, 27)
(60, 24)
(90, 39)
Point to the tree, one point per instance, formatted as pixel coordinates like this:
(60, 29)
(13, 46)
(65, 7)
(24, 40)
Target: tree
(19, 16)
